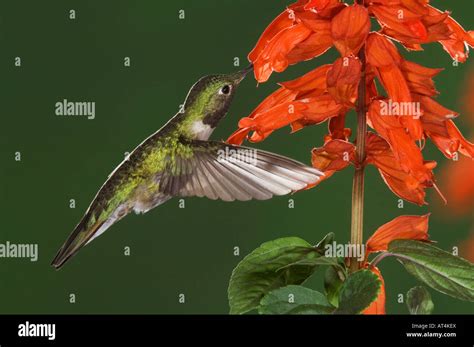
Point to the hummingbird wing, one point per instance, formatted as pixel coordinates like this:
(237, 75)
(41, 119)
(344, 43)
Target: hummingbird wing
(221, 171)
(208, 169)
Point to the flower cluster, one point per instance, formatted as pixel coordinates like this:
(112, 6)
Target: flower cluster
(403, 115)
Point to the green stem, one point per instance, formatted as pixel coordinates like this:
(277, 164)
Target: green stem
(357, 223)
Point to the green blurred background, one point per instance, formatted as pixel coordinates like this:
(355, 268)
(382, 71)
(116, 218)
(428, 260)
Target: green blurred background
(173, 250)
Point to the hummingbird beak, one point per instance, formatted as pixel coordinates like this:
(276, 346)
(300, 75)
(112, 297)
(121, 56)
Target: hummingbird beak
(240, 75)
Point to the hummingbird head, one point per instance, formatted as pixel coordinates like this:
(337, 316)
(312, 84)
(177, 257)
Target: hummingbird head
(209, 100)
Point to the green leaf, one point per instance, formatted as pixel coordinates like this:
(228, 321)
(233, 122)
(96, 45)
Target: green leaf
(333, 279)
(265, 269)
(294, 300)
(319, 260)
(358, 291)
(419, 301)
(327, 240)
(436, 268)
(322, 259)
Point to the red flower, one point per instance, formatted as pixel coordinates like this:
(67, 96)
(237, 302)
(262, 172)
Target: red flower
(274, 56)
(281, 96)
(459, 39)
(384, 57)
(414, 22)
(280, 23)
(343, 79)
(318, 42)
(419, 78)
(313, 83)
(301, 102)
(349, 29)
(403, 227)
(407, 184)
(337, 154)
(297, 34)
(446, 136)
(334, 156)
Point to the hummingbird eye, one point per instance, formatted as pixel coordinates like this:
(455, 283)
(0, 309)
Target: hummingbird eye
(225, 90)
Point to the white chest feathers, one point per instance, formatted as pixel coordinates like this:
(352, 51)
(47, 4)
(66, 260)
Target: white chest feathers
(201, 131)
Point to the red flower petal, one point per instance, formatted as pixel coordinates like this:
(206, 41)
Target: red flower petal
(411, 22)
(407, 185)
(311, 81)
(325, 8)
(274, 118)
(337, 129)
(318, 5)
(283, 21)
(280, 96)
(465, 147)
(316, 44)
(238, 136)
(459, 39)
(343, 79)
(349, 29)
(401, 20)
(334, 156)
(381, 52)
(371, 88)
(402, 145)
(320, 108)
(274, 56)
(402, 227)
(420, 78)
(439, 127)
(395, 84)
(259, 136)
(384, 56)
(417, 6)
(418, 29)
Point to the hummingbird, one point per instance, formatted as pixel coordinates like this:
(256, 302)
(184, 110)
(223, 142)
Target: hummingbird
(179, 160)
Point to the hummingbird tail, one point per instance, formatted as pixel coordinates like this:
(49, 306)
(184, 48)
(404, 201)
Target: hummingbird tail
(78, 239)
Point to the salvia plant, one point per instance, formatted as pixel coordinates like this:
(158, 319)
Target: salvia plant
(395, 104)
